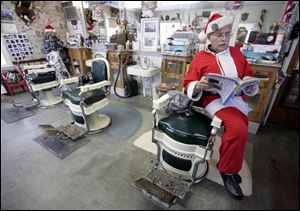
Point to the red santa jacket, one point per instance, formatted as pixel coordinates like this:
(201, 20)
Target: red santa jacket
(230, 62)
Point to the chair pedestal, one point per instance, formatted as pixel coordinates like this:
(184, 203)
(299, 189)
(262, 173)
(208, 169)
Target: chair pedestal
(49, 98)
(97, 122)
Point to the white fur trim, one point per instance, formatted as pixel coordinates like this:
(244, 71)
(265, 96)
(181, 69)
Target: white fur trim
(236, 102)
(227, 64)
(190, 91)
(221, 22)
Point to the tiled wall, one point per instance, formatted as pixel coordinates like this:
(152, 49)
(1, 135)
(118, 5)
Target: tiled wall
(47, 12)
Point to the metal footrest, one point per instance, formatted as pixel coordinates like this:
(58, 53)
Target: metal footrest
(72, 131)
(155, 192)
(161, 187)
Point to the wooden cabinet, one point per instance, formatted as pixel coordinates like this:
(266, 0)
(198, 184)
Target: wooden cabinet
(173, 70)
(78, 56)
(259, 102)
(114, 58)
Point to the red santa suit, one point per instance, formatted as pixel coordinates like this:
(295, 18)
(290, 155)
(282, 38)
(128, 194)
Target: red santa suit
(229, 62)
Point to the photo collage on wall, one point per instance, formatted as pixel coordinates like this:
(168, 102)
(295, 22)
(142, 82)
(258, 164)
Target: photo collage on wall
(18, 46)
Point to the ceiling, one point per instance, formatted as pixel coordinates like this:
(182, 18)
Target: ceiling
(177, 5)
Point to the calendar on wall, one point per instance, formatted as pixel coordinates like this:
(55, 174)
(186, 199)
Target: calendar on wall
(18, 46)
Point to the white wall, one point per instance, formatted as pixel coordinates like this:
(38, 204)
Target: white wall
(274, 12)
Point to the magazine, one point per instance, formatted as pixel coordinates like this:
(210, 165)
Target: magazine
(228, 87)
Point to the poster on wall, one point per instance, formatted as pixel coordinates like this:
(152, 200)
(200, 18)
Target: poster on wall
(18, 46)
(150, 34)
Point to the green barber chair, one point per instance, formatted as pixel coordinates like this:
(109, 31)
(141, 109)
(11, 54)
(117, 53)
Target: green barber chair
(184, 146)
(85, 101)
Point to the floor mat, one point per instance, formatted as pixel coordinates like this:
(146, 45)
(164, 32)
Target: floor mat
(58, 146)
(14, 114)
(126, 120)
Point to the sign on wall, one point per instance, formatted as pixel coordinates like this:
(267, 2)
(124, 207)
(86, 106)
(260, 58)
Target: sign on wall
(18, 46)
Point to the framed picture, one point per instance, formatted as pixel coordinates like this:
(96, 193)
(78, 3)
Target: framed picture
(150, 34)
(6, 16)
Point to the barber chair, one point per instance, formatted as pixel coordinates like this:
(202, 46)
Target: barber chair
(85, 101)
(184, 146)
(40, 78)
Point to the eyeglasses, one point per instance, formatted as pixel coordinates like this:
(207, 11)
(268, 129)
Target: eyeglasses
(222, 36)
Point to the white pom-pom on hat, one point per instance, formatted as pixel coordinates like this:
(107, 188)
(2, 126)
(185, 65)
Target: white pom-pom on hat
(202, 37)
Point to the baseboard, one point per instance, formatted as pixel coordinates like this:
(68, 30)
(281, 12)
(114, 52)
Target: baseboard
(253, 127)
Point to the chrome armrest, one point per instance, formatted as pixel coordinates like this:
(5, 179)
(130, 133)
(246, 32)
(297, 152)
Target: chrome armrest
(161, 102)
(90, 87)
(43, 70)
(68, 81)
(35, 66)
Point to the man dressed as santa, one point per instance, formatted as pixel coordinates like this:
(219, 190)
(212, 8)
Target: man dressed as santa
(221, 59)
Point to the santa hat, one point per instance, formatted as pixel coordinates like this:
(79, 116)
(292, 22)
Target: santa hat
(49, 28)
(216, 22)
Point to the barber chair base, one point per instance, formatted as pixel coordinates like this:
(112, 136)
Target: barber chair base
(145, 142)
(97, 122)
(49, 99)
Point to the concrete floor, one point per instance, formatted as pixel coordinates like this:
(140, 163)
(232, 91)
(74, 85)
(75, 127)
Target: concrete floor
(99, 174)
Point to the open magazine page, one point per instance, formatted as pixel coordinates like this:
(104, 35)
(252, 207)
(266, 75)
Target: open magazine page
(247, 83)
(224, 86)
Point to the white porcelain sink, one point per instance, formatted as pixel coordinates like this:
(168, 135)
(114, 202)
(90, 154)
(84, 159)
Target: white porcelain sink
(138, 71)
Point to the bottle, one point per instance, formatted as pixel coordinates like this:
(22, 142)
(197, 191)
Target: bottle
(130, 45)
(279, 38)
(127, 45)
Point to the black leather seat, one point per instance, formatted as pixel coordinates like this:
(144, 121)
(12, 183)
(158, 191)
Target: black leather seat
(39, 78)
(194, 130)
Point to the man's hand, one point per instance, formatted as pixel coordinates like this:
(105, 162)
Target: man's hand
(250, 89)
(203, 84)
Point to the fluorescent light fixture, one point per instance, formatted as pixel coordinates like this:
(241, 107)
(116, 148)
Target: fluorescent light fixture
(172, 3)
(133, 4)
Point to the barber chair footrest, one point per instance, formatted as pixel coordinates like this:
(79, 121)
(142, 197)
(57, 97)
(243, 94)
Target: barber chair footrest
(161, 187)
(72, 131)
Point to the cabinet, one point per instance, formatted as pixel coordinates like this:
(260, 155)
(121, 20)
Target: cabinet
(78, 56)
(173, 70)
(259, 102)
(114, 58)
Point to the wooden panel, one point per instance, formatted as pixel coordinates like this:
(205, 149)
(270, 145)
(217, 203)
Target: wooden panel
(282, 115)
(173, 70)
(80, 54)
(258, 103)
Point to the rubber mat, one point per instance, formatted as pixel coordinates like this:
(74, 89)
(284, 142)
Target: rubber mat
(14, 114)
(59, 145)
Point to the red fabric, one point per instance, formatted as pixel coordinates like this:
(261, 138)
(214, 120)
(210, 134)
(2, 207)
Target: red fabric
(205, 62)
(212, 18)
(234, 138)
(49, 28)
(235, 122)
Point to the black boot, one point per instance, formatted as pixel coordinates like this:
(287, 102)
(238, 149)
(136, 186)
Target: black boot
(232, 186)
(237, 177)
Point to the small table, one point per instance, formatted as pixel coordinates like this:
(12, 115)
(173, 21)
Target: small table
(145, 74)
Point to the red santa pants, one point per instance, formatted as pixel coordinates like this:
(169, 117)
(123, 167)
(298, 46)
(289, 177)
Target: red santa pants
(234, 139)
